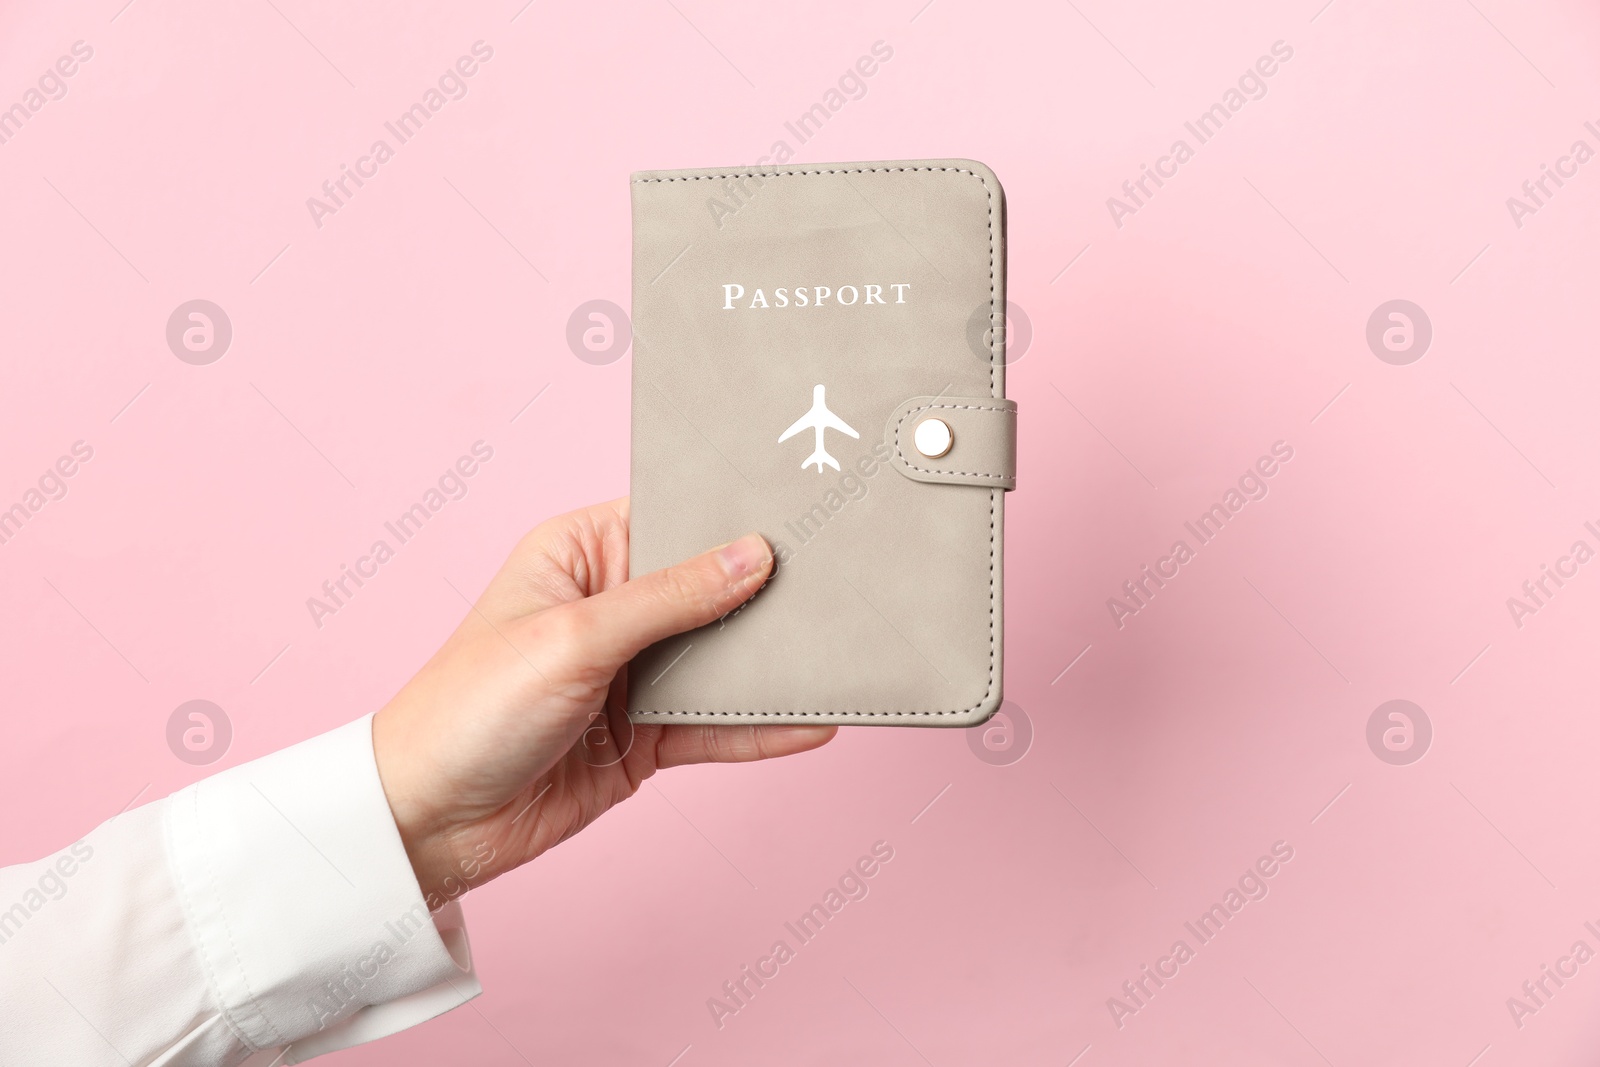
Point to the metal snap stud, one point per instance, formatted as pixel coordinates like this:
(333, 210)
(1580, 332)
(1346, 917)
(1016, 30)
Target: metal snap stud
(934, 438)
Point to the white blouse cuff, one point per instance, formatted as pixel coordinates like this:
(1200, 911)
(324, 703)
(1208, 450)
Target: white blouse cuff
(306, 915)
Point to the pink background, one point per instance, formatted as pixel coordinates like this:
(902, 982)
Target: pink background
(1228, 313)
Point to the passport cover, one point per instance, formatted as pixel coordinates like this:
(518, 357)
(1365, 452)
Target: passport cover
(795, 329)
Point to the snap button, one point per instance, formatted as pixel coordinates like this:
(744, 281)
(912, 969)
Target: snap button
(933, 438)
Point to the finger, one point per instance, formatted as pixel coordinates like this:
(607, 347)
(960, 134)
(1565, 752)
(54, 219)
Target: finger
(560, 560)
(679, 745)
(612, 627)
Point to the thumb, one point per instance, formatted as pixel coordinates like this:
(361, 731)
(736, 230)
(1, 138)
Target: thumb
(618, 624)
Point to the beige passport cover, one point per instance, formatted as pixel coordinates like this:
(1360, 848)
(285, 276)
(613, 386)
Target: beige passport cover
(795, 328)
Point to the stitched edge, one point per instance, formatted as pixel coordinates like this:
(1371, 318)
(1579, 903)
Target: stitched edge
(191, 918)
(227, 928)
(940, 470)
(994, 493)
(840, 170)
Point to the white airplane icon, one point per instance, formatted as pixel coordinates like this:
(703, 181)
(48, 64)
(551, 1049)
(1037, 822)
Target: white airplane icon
(819, 418)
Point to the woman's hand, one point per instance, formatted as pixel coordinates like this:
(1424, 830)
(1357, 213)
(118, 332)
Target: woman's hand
(513, 737)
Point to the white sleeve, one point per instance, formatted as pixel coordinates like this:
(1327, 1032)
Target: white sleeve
(268, 913)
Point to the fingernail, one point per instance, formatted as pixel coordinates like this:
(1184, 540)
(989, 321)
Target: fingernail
(744, 557)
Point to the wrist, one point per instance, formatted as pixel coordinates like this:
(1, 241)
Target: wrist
(420, 831)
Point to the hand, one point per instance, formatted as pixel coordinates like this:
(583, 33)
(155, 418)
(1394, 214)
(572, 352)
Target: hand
(513, 737)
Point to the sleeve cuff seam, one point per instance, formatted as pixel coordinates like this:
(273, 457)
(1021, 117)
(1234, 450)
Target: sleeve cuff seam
(203, 946)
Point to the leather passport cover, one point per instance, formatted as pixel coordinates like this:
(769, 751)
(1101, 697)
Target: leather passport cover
(819, 355)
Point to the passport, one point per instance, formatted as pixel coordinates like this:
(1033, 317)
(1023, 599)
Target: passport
(819, 355)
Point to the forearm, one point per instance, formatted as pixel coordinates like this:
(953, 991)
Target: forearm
(269, 906)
